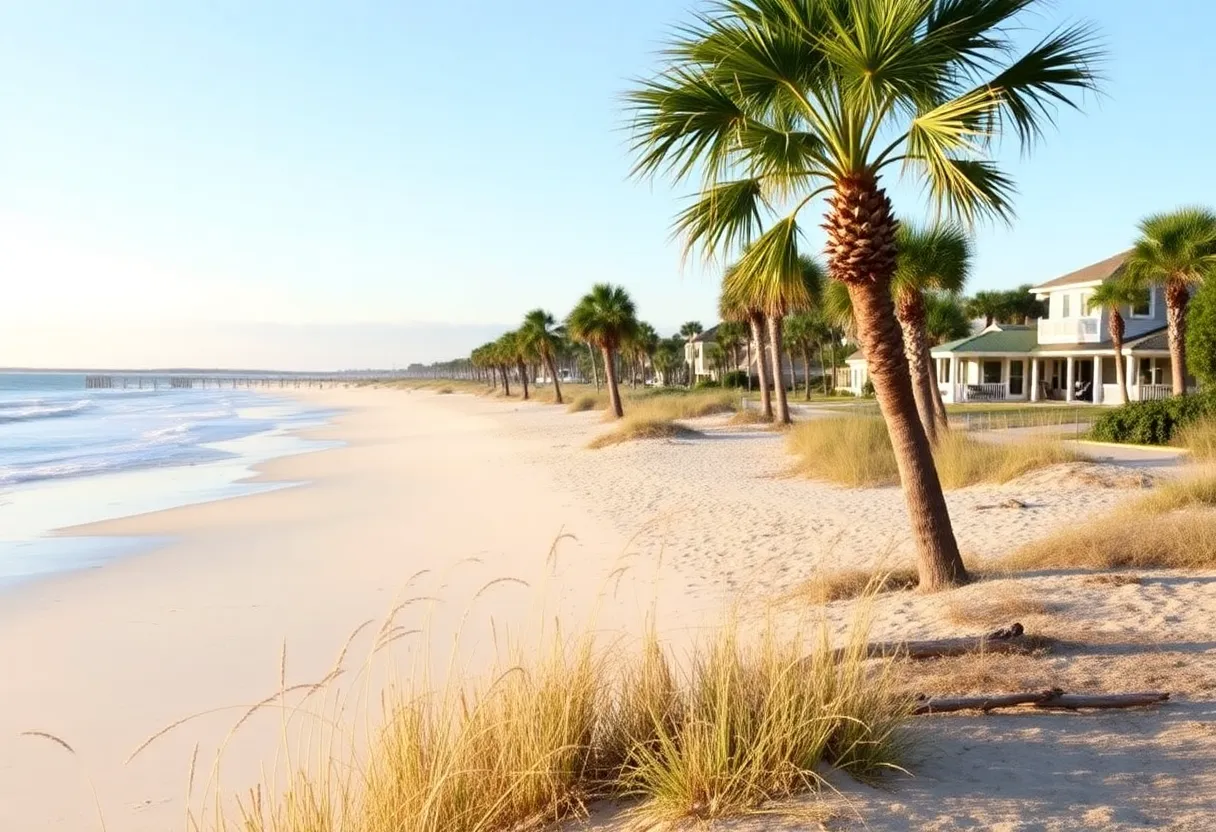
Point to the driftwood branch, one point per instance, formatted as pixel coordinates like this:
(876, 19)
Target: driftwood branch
(1011, 639)
(1048, 700)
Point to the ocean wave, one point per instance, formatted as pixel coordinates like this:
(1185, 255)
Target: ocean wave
(29, 410)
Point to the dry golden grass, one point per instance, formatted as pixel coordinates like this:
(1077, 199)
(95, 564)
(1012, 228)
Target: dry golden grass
(587, 401)
(743, 722)
(678, 404)
(1199, 438)
(750, 416)
(1172, 528)
(845, 584)
(856, 451)
(996, 604)
(633, 428)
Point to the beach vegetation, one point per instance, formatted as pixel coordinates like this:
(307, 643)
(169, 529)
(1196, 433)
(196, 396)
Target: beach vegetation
(540, 338)
(856, 451)
(605, 318)
(744, 720)
(1111, 297)
(1174, 527)
(769, 105)
(1153, 422)
(1177, 251)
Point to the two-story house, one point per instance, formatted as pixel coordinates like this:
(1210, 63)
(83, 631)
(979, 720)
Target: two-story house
(1066, 356)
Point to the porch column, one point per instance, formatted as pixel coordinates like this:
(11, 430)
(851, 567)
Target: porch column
(955, 381)
(1068, 379)
(1034, 379)
(1097, 379)
(1133, 381)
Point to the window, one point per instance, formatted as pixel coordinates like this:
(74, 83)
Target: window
(943, 374)
(1143, 309)
(1065, 303)
(1017, 374)
(991, 372)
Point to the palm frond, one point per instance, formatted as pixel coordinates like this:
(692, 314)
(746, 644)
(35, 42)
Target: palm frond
(725, 215)
(770, 272)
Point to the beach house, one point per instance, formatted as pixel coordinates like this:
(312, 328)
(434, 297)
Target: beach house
(1066, 356)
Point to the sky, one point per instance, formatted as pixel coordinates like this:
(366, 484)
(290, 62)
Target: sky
(334, 185)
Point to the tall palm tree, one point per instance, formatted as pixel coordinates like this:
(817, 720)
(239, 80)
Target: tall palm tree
(515, 353)
(540, 336)
(735, 305)
(605, 318)
(689, 331)
(800, 334)
(1112, 296)
(774, 102)
(936, 259)
(647, 341)
(1177, 251)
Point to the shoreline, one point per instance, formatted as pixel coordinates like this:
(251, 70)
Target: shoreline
(452, 505)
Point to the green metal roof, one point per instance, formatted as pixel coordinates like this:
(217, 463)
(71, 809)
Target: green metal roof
(1004, 340)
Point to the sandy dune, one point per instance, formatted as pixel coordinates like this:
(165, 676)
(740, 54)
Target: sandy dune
(476, 490)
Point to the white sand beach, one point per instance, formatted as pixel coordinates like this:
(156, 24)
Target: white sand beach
(469, 490)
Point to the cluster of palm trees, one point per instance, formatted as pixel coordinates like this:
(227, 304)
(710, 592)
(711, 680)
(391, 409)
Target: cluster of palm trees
(1176, 251)
(769, 105)
(604, 321)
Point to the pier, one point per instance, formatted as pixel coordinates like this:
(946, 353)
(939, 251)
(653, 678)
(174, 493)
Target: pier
(161, 381)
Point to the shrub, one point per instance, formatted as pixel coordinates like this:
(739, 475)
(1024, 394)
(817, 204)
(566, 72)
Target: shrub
(735, 378)
(1154, 422)
(867, 389)
(1201, 333)
(707, 384)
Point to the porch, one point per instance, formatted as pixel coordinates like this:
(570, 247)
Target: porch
(1068, 378)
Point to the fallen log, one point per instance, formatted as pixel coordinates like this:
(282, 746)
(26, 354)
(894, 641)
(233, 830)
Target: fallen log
(1011, 639)
(1052, 700)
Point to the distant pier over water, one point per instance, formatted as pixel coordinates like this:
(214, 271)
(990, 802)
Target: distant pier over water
(165, 381)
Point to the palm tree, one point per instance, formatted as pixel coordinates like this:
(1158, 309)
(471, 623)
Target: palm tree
(991, 306)
(605, 318)
(539, 336)
(735, 305)
(945, 318)
(730, 334)
(1112, 296)
(647, 341)
(689, 332)
(800, 334)
(931, 259)
(1177, 251)
(515, 352)
(774, 102)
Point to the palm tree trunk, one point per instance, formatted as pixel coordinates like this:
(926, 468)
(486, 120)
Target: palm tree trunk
(594, 372)
(1176, 300)
(823, 367)
(939, 562)
(557, 387)
(806, 368)
(939, 406)
(774, 337)
(506, 382)
(766, 402)
(523, 377)
(1116, 341)
(748, 348)
(910, 310)
(614, 394)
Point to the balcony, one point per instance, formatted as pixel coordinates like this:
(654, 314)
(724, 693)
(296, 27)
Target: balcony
(1069, 331)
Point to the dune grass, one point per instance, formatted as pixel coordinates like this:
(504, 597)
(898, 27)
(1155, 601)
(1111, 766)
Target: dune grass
(587, 401)
(633, 428)
(750, 416)
(1199, 438)
(747, 719)
(1172, 528)
(856, 451)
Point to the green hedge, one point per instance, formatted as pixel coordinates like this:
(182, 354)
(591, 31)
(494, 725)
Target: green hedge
(1152, 423)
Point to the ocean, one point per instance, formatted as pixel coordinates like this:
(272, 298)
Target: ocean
(70, 455)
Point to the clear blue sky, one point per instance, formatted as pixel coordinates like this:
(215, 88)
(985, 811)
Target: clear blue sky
(201, 164)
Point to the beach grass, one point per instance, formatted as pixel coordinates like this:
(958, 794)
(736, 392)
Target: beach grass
(1199, 437)
(634, 428)
(1172, 528)
(659, 416)
(745, 720)
(856, 451)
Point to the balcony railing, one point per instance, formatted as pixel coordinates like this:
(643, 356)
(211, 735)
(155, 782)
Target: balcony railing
(1069, 330)
(1155, 392)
